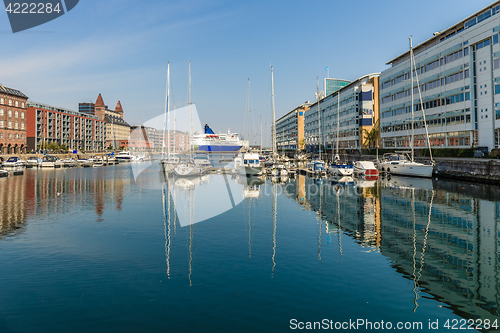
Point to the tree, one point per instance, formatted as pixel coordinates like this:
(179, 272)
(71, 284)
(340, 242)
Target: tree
(372, 136)
(64, 147)
(53, 146)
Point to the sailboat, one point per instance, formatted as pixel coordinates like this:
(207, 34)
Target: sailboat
(168, 161)
(189, 168)
(398, 163)
(337, 168)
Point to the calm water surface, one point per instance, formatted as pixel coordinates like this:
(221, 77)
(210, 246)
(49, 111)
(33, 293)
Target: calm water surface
(97, 249)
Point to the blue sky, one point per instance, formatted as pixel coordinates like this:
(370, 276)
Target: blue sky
(120, 48)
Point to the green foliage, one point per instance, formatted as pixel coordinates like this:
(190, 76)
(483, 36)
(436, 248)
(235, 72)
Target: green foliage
(110, 147)
(64, 147)
(53, 146)
(372, 136)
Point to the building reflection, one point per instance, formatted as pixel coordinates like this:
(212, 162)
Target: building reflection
(13, 213)
(45, 192)
(443, 236)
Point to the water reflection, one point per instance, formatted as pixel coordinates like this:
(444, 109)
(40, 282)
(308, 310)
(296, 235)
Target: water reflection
(43, 193)
(443, 236)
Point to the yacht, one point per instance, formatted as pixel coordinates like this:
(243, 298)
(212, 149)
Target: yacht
(252, 165)
(403, 163)
(340, 169)
(33, 161)
(50, 161)
(365, 168)
(400, 164)
(13, 162)
(124, 156)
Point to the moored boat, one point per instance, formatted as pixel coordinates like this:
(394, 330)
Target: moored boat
(365, 168)
(13, 162)
(124, 156)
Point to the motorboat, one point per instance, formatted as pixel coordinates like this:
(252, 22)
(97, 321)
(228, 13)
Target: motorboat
(252, 166)
(4, 173)
(400, 164)
(13, 162)
(50, 161)
(365, 168)
(33, 161)
(69, 162)
(124, 156)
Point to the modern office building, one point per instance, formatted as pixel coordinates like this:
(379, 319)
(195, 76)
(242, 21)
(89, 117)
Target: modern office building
(12, 121)
(47, 124)
(290, 130)
(332, 85)
(346, 116)
(458, 72)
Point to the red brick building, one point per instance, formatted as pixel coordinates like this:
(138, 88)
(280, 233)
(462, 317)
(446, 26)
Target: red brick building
(76, 130)
(12, 121)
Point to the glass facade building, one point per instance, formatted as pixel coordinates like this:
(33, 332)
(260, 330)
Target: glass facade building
(332, 85)
(458, 71)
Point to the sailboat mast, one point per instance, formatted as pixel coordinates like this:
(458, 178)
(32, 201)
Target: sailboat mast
(412, 112)
(168, 108)
(261, 134)
(190, 101)
(248, 111)
(272, 107)
(166, 123)
(318, 97)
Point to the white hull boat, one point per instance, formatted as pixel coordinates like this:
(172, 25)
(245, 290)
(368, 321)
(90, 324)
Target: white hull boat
(365, 168)
(187, 170)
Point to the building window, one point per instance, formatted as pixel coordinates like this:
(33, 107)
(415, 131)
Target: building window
(1, 135)
(1, 112)
(16, 136)
(10, 124)
(22, 115)
(17, 104)
(1, 123)
(2, 100)
(10, 136)
(22, 105)
(22, 126)
(10, 102)
(16, 114)
(9, 113)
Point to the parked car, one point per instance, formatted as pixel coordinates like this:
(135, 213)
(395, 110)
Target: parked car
(481, 152)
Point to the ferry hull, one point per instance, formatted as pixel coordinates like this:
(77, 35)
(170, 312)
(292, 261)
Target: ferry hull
(210, 148)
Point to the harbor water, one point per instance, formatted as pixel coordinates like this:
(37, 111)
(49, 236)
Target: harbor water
(121, 249)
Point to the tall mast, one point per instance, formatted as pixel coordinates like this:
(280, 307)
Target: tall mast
(412, 113)
(318, 97)
(248, 111)
(166, 119)
(190, 102)
(272, 107)
(261, 134)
